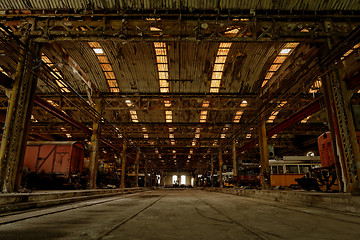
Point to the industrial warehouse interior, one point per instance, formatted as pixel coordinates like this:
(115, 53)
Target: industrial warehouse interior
(179, 119)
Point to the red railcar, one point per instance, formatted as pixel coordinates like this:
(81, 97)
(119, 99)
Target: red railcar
(325, 149)
(50, 161)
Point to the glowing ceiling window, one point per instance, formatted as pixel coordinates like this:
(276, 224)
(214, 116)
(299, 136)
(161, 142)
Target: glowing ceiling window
(285, 51)
(305, 120)
(162, 65)
(276, 112)
(3, 72)
(218, 69)
(55, 73)
(316, 86)
(350, 51)
(203, 116)
(105, 66)
(239, 113)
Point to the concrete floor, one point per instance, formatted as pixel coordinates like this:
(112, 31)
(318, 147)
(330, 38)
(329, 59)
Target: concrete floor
(179, 214)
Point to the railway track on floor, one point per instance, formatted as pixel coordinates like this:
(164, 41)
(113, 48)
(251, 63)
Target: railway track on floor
(116, 226)
(35, 213)
(293, 208)
(257, 233)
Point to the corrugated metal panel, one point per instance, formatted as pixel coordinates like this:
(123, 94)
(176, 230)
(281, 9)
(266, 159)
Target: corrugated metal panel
(87, 60)
(134, 65)
(184, 4)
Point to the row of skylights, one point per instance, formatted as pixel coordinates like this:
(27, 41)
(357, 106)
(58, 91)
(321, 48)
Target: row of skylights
(273, 115)
(240, 112)
(316, 86)
(162, 65)
(280, 58)
(56, 73)
(146, 135)
(350, 51)
(105, 66)
(219, 67)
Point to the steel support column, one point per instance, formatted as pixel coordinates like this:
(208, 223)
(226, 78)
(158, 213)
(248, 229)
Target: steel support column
(331, 117)
(137, 161)
(94, 151)
(235, 163)
(344, 127)
(146, 174)
(13, 145)
(212, 170)
(264, 155)
(220, 166)
(123, 165)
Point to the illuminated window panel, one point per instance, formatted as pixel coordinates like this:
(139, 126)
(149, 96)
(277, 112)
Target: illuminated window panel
(248, 135)
(112, 83)
(99, 51)
(130, 104)
(206, 104)
(232, 31)
(94, 44)
(162, 67)
(218, 67)
(163, 84)
(172, 142)
(305, 120)
(279, 59)
(274, 67)
(214, 90)
(159, 44)
(164, 90)
(197, 135)
(106, 67)
(146, 135)
(223, 135)
(225, 45)
(167, 103)
(215, 83)
(291, 45)
(223, 52)
(243, 104)
(171, 135)
(114, 90)
(155, 29)
(264, 83)
(103, 59)
(161, 59)
(204, 112)
(45, 59)
(168, 117)
(220, 59)
(216, 75)
(269, 75)
(274, 136)
(109, 75)
(285, 51)
(160, 51)
(163, 75)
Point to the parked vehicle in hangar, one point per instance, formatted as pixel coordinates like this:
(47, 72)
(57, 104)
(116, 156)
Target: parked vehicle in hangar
(54, 164)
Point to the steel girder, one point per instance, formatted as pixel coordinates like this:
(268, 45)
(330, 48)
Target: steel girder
(184, 26)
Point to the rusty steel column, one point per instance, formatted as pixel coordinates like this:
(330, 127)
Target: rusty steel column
(94, 150)
(212, 169)
(235, 163)
(344, 127)
(331, 117)
(146, 174)
(264, 155)
(137, 161)
(220, 166)
(13, 145)
(123, 165)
